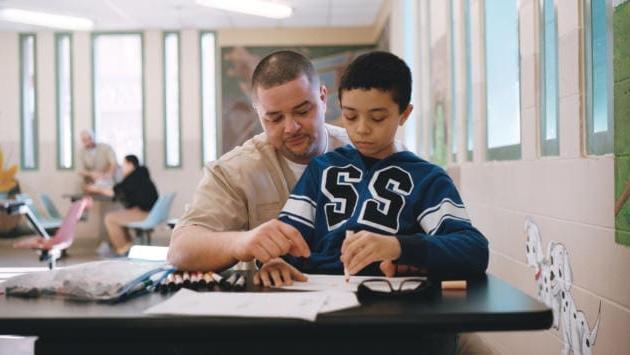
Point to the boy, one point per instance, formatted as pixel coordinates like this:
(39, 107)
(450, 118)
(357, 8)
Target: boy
(403, 210)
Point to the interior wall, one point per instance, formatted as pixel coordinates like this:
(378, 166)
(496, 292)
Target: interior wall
(47, 178)
(569, 197)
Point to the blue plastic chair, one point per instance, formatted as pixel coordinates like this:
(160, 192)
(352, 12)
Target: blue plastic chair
(159, 213)
(50, 207)
(47, 223)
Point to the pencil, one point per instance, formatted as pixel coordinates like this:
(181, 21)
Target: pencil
(346, 274)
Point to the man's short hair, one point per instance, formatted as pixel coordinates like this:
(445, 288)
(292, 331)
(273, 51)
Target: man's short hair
(379, 70)
(281, 67)
(133, 160)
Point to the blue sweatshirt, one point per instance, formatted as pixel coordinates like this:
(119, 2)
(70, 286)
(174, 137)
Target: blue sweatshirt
(402, 196)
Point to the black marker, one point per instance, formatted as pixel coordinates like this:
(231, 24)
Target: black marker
(231, 281)
(240, 283)
(186, 278)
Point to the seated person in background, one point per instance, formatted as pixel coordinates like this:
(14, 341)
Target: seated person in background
(137, 193)
(402, 209)
(97, 161)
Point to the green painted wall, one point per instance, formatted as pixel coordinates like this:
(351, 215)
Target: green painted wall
(621, 89)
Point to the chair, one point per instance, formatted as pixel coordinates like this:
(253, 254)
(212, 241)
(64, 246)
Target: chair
(52, 211)
(158, 214)
(50, 249)
(49, 224)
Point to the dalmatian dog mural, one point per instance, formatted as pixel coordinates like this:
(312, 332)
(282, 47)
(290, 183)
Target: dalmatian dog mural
(554, 279)
(536, 260)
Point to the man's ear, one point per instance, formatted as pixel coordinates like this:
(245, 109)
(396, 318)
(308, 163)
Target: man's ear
(405, 114)
(323, 93)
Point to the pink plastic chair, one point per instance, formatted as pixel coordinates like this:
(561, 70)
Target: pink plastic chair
(50, 249)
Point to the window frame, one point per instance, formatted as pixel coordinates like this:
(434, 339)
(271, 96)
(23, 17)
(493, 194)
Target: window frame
(58, 37)
(35, 147)
(597, 143)
(453, 146)
(513, 151)
(217, 87)
(548, 147)
(468, 81)
(179, 99)
(93, 37)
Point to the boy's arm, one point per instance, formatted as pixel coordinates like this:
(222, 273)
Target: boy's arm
(450, 246)
(300, 209)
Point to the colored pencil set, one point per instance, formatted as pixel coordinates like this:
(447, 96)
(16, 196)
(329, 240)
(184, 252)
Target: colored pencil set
(201, 281)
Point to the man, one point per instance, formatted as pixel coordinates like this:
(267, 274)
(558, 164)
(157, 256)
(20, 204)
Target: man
(97, 161)
(232, 215)
(137, 193)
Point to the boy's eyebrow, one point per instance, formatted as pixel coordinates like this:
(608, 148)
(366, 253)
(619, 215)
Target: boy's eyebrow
(372, 110)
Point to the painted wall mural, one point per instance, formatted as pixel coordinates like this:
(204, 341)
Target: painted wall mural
(239, 121)
(554, 279)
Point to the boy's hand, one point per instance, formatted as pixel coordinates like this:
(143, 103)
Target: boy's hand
(362, 248)
(277, 272)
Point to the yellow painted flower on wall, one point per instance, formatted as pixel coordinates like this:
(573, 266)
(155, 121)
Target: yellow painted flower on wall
(7, 177)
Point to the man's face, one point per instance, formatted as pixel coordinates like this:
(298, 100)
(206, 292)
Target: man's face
(371, 118)
(87, 140)
(292, 115)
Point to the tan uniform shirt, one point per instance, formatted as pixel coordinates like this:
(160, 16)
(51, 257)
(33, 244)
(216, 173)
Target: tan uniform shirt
(247, 186)
(100, 158)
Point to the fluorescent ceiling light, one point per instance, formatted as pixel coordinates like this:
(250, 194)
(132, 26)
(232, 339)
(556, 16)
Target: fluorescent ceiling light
(46, 19)
(250, 7)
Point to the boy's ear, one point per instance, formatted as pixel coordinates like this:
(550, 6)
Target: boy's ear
(405, 114)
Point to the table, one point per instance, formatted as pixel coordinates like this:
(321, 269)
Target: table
(95, 197)
(385, 327)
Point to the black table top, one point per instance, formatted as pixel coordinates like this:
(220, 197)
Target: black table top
(78, 196)
(489, 304)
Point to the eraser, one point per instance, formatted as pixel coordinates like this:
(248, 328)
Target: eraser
(454, 285)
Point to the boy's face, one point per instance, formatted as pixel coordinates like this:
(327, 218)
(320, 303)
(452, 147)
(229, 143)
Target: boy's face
(292, 115)
(371, 118)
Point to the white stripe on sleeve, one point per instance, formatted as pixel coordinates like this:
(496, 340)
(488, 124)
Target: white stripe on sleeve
(431, 219)
(300, 207)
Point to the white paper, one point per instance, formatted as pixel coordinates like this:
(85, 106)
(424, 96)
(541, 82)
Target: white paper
(300, 305)
(338, 283)
(338, 300)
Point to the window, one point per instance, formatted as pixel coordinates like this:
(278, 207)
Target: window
(118, 92)
(453, 123)
(502, 80)
(208, 98)
(28, 105)
(549, 79)
(172, 120)
(411, 129)
(598, 77)
(469, 89)
(63, 65)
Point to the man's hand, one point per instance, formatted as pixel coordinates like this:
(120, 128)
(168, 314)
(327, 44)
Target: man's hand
(277, 272)
(270, 240)
(362, 248)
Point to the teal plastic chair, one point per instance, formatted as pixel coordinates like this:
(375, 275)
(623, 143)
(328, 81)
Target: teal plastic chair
(50, 207)
(159, 213)
(49, 224)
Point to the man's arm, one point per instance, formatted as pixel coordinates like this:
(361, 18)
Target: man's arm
(211, 234)
(195, 247)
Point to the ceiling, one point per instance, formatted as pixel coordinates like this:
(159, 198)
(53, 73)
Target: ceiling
(110, 15)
